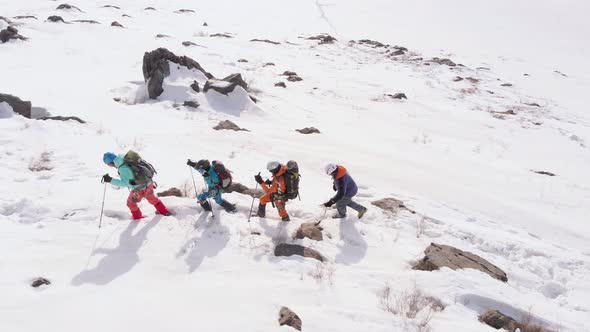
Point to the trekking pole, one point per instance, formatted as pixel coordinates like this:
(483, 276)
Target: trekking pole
(104, 193)
(252, 206)
(193, 177)
(323, 216)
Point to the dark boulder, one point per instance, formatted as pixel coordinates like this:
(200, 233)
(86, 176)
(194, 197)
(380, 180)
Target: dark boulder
(545, 173)
(294, 78)
(289, 73)
(225, 85)
(171, 192)
(281, 84)
(242, 60)
(18, 106)
(117, 24)
(289, 318)
(285, 249)
(439, 255)
(308, 130)
(398, 95)
(149, 8)
(371, 43)
(228, 125)
(10, 33)
(397, 52)
(156, 68)
(268, 64)
(191, 103)
(38, 282)
(195, 86)
(55, 19)
(221, 35)
(309, 230)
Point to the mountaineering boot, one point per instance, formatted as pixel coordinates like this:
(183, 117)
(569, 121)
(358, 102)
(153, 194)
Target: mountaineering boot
(286, 218)
(230, 208)
(136, 214)
(338, 216)
(362, 212)
(261, 211)
(205, 205)
(162, 209)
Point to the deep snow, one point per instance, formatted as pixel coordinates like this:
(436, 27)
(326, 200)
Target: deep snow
(441, 151)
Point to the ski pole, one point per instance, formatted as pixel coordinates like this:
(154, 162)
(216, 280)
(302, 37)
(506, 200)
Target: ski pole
(252, 206)
(104, 193)
(193, 177)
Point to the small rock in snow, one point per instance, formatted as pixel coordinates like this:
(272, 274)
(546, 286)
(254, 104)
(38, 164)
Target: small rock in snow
(308, 130)
(323, 38)
(399, 95)
(506, 84)
(184, 11)
(221, 35)
(65, 6)
(228, 125)
(265, 41)
(242, 60)
(62, 118)
(443, 61)
(281, 84)
(285, 249)
(18, 106)
(195, 86)
(268, 64)
(55, 19)
(111, 6)
(294, 78)
(545, 173)
(242, 189)
(171, 192)
(37, 282)
(289, 318)
(149, 8)
(87, 21)
(226, 85)
(309, 230)
(191, 103)
(10, 33)
(117, 24)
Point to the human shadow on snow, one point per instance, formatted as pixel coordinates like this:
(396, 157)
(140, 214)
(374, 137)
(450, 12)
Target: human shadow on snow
(354, 247)
(209, 243)
(117, 261)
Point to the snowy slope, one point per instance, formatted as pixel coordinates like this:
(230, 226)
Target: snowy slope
(444, 152)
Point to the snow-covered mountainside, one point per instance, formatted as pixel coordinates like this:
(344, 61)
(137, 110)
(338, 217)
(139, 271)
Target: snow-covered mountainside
(489, 153)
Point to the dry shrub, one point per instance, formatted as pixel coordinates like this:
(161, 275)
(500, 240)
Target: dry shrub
(411, 305)
(527, 324)
(41, 163)
(323, 272)
(187, 189)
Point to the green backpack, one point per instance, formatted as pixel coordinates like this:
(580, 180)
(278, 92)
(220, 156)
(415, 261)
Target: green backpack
(143, 172)
(292, 178)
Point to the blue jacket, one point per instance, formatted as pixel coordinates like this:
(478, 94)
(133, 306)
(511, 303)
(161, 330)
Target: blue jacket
(343, 184)
(125, 172)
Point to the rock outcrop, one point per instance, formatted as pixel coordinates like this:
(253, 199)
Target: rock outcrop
(289, 318)
(171, 192)
(156, 68)
(10, 33)
(228, 125)
(439, 255)
(310, 231)
(18, 106)
(285, 249)
(225, 85)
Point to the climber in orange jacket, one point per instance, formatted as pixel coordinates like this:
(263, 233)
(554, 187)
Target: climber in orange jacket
(274, 189)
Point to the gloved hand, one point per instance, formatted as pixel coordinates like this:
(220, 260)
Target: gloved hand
(106, 178)
(132, 182)
(258, 178)
(268, 182)
(191, 163)
(334, 187)
(329, 203)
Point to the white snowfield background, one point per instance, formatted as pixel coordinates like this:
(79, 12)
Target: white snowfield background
(466, 170)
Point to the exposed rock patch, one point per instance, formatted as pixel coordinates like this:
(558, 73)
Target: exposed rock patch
(65, 6)
(443, 61)
(191, 104)
(371, 43)
(506, 84)
(498, 320)
(285, 249)
(160, 35)
(111, 6)
(171, 192)
(242, 189)
(228, 125)
(308, 130)
(545, 173)
(62, 118)
(87, 21)
(289, 318)
(281, 84)
(323, 38)
(18, 106)
(242, 60)
(265, 41)
(117, 24)
(38, 282)
(532, 104)
(149, 8)
(184, 11)
(389, 204)
(225, 85)
(195, 86)
(268, 64)
(221, 35)
(23, 17)
(310, 231)
(439, 255)
(294, 78)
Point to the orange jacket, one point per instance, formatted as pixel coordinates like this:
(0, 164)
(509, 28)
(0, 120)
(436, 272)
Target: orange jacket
(278, 182)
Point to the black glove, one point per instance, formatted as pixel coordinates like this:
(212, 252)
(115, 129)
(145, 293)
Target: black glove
(191, 163)
(132, 182)
(258, 178)
(329, 203)
(334, 187)
(106, 178)
(268, 182)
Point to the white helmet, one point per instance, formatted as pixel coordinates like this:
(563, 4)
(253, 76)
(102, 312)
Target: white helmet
(273, 166)
(331, 168)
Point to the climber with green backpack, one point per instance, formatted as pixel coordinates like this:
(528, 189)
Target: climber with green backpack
(137, 175)
(283, 187)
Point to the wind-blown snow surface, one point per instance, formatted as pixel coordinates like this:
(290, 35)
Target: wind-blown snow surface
(441, 151)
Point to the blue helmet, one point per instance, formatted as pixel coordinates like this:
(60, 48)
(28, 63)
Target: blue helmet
(109, 158)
